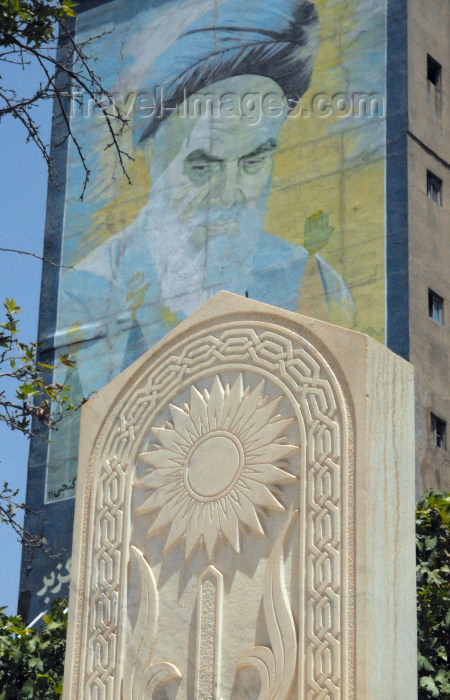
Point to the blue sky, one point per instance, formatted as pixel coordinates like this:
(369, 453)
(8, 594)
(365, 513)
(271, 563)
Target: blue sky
(23, 188)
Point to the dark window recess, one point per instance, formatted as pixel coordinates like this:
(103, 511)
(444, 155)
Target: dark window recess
(434, 71)
(438, 431)
(434, 188)
(435, 307)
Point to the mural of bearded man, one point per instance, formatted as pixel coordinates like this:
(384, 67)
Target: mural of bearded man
(222, 81)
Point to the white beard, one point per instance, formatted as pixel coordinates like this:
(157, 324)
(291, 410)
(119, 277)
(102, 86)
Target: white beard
(192, 256)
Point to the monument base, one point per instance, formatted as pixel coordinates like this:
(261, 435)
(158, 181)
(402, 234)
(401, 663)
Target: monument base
(245, 517)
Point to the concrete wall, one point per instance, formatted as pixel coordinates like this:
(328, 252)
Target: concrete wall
(429, 226)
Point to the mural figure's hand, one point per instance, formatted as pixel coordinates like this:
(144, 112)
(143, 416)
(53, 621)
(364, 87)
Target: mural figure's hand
(317, 232)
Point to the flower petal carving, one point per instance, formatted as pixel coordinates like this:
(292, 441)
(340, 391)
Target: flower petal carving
(276, 666)
(141, 678)
(212, 469)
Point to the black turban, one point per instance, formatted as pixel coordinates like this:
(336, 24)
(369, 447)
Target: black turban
(276, 39)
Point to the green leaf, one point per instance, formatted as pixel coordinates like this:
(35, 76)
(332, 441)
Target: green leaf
(11, 306)
(428, 683)
(45, 366)
(64, 359)
(423, 662)
(430, 542)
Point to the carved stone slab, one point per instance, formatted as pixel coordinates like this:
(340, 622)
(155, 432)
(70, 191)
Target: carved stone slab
(245, 517)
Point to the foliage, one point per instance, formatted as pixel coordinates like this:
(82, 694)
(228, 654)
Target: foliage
(433, 594)
(29, 34)
(25, 394)
(32, 661)
(33, 21)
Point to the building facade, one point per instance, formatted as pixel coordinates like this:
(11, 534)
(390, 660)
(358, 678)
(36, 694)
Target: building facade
(293, 152)
(428, 164)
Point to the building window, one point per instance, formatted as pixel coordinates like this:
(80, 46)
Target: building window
(435, 307)
(434, 188)
(434, 71)
(438, 431)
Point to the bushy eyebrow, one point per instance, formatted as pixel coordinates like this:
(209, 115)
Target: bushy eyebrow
(200, 154)
(266, 147)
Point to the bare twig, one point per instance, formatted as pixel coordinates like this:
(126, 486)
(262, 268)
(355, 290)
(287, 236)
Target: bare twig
(9, 514)
(35, 255)
(73, 71)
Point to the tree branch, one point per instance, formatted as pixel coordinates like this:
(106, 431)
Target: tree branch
(83, 78)
(35, 255)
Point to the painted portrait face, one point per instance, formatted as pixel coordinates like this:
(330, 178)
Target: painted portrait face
(228, 162)
(212, 161)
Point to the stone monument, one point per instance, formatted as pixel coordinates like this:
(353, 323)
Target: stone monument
(245, 517)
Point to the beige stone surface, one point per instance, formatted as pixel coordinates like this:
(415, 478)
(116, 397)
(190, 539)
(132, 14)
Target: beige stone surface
(245, 517)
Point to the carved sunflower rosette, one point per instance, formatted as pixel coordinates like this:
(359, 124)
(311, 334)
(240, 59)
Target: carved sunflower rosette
(220, 535)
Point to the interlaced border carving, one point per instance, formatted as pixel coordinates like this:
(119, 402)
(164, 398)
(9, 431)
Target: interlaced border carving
(102, 643)
(328, 648)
